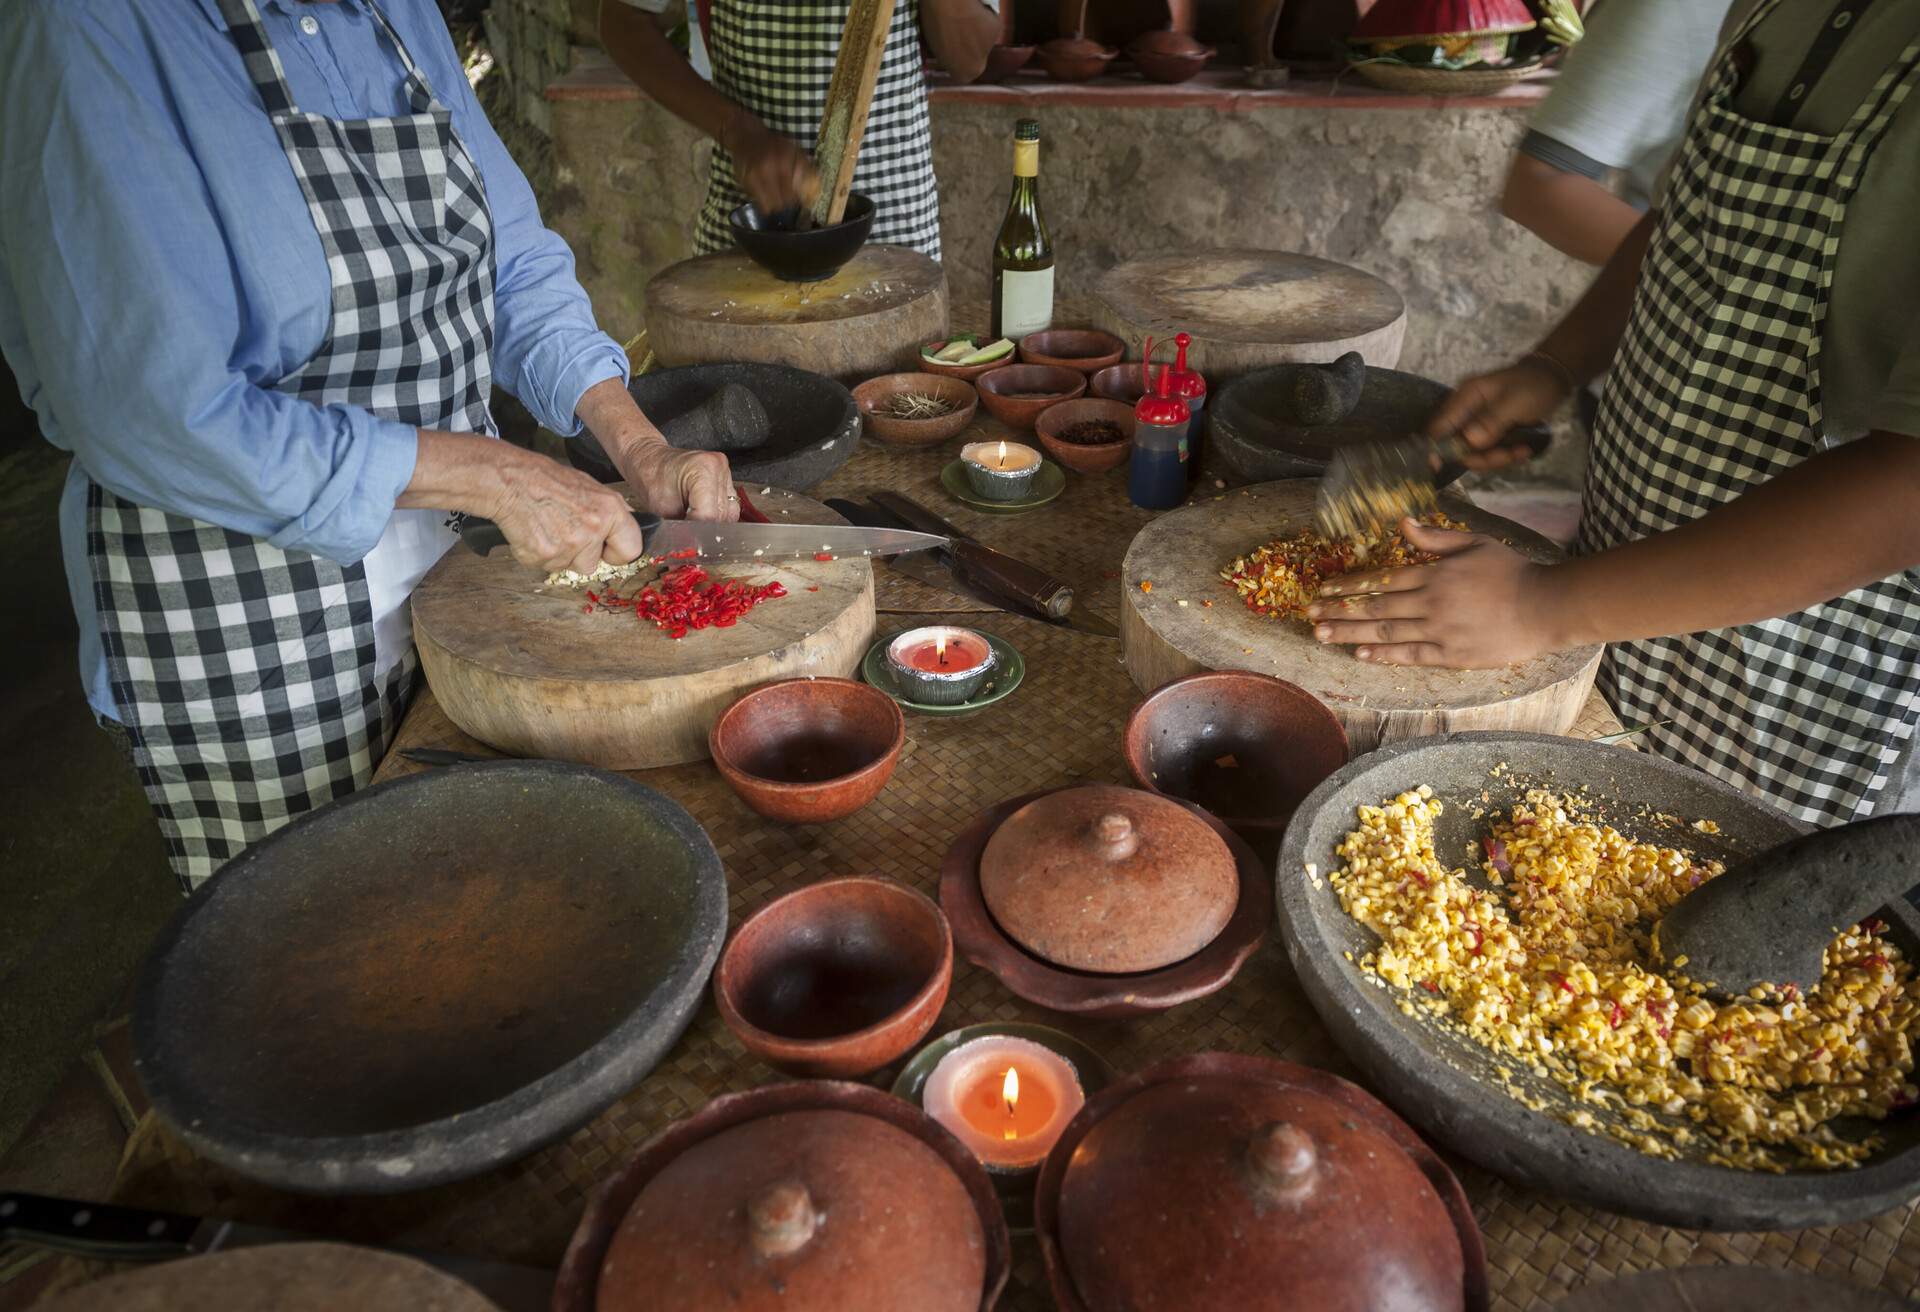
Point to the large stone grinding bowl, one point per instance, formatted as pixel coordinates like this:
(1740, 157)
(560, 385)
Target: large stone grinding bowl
(1248, 434)
(431, 977)
(815, 424)
(1445, 1083)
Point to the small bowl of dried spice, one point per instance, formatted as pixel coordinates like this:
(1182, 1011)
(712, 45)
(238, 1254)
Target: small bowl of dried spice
(1089, 435)
(915, 409)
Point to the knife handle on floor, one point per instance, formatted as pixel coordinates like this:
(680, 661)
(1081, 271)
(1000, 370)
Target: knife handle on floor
(1016, 580)
(95, 1230)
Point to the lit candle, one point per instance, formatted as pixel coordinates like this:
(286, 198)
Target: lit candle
(939, 665)
(1007, 1099)
(1000, 471)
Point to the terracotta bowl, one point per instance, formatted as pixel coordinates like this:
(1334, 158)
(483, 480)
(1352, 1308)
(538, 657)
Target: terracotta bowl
(980, 939)
(576, 1288)
(876, 394)
(1247, 747)
(1015, 394)
(1004, 62)
(1086, 459)
(1074, 59)
(837, 979)
(1119, 382)
(806, 751)
(966, 371)
(1086, 349)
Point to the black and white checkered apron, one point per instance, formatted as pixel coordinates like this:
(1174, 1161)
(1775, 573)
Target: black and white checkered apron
(1716, 389)
(257, 683)
(775, 59)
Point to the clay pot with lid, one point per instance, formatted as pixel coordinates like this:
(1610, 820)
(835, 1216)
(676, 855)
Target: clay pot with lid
(1168, 56)
(797, 1197)
(1105, 901)
(1222, 1180)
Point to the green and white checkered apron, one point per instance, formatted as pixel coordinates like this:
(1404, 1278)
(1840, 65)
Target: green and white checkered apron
(1717, 389)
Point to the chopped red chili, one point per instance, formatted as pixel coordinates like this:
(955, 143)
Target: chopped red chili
(823, 555)
(679, 604)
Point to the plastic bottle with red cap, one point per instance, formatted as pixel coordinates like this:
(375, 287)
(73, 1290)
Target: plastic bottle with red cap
(1184, 383)
(1157, 469)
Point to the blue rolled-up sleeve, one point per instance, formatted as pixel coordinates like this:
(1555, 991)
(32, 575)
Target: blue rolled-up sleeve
(547, 348)
(123, 304)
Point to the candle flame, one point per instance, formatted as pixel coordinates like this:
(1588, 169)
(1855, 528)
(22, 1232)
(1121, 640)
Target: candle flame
(1003, 465)
(940, 648)
(1010, 1089)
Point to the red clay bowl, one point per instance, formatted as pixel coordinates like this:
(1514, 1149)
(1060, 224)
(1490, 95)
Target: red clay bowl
(576, 1288)
(1120, 382)
(835, 980)
(1015, 394)
(876, 394)
(806, 751)
(1085, 349)
(1074, 59)
(980, 939)
(1074, 455)
(1247, 747)
(1004, 61)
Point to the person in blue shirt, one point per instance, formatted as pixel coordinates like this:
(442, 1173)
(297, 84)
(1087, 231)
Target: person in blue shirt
(261, 263)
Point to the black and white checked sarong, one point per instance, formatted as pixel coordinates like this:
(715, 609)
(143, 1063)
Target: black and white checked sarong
(775, 59)
(249, 678)
(1716, 389)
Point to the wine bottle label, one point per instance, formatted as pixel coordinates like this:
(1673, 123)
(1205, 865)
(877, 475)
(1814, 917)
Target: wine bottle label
(1026, 302)
(1026, 159)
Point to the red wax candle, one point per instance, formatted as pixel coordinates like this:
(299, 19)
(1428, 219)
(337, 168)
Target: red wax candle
(945, 655)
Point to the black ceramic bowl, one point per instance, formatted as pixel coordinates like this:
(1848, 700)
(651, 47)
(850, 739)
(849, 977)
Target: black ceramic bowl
(773, 243)
(817, 425)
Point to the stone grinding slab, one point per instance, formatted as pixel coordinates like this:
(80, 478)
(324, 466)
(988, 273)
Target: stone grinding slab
(526, 668)
(1446, 1084)
(1182, 553)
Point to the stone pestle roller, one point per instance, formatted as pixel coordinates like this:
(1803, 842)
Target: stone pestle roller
(1768, 920)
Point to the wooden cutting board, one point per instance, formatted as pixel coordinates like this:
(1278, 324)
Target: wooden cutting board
(1250, 308)
(870, 318)
(313, 1277)
(526, 669)
(1182, 553)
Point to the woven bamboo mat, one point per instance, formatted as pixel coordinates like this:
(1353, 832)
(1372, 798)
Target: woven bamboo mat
(1061, 727)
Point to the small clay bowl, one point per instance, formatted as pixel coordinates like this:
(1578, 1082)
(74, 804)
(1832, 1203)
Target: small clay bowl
(1080, 456)
(1004, 61)
(1246, 747)
(806, 751)
(1119, 382)
(835, 980)
(876, 394)
(966, 371)
(1086, 349)
(1074, 58)
(1015, 394)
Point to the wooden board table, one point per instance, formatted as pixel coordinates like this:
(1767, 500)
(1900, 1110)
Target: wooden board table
(1061, 726)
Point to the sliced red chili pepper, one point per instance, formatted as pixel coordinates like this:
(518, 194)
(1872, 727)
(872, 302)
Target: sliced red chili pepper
(822, 555)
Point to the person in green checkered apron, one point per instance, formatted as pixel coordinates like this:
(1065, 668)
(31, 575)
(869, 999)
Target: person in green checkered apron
(1750, 535)
(770, 63)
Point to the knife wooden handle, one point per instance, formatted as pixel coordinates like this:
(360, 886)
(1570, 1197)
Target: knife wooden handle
(1534, 437)
(95, 1230)
(1014, 579)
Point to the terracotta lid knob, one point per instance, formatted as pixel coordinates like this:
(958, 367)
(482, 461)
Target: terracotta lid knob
(1282, 1161)
(1114, 836)
(782, 1219)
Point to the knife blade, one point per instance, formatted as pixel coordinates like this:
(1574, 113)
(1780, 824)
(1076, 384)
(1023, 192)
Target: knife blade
(993, 570)
(109, 1232)
(936, 570)
(685, 538)
(1374, 485)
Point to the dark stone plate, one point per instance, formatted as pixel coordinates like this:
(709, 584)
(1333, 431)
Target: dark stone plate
(1444, 1083)
(816, 424)
(431, 977)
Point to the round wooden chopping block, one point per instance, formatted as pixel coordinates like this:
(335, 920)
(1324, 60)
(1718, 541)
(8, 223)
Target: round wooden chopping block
(1729, 1289)
(1247, 309)
(870, 318)
(279, 1278)
(1182, 553)
(527, 669)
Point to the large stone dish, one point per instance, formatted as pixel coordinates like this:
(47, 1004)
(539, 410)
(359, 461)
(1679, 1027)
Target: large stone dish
(431, 977)
(1445, 1085)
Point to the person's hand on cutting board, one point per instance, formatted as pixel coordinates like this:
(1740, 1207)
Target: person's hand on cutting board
(672, 483)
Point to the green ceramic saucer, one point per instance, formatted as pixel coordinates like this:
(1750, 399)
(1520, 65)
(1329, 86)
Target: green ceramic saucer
(1009, 669)
(1049, 483)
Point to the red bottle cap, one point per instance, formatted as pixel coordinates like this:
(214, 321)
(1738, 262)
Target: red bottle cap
(1161, 406)
(1186, 383)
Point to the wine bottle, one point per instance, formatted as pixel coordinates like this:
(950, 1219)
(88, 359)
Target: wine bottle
(1023, 253)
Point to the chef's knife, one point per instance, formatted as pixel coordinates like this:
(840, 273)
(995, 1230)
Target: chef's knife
(686, 538)
(106, 1232)
(1370, 485)
(998, 573)
(935, 569)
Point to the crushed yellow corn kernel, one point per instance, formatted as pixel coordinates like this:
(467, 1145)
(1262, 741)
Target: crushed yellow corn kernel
(1554, 967)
